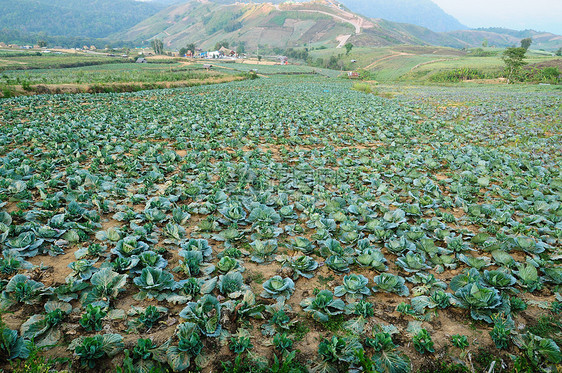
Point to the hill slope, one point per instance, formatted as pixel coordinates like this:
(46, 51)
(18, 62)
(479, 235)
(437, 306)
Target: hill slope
(417, 12)
(85, 18)
(500, 37)
(275, 25)
(321, 22)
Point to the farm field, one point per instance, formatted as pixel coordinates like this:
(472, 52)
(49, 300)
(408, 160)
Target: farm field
(420, 63)
(263, 69)
(118, 76)
(283, 224)
(26, 60)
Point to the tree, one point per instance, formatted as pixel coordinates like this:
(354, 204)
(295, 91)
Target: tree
(42, 43)
(559, 52)
(183, 52)
(485, 43)
(526, 43)
(220, 44)
(157, 46)
(513, 59)
(333, 63)
(348, 48)
(191, 47)
(241, 48)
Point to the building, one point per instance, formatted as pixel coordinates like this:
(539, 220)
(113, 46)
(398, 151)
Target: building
(215, 54)
(141, 60)
(227, 52)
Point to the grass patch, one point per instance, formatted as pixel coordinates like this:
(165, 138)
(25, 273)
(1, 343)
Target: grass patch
(36, 363)
(445, 367)
(484, 359)
(324, 280)
(335, 324)
(548, 327)
(300, 330)
(256, 277)
(362, 87)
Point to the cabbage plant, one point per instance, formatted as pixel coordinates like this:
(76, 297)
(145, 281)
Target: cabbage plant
(231, 284)
(482, 301)
(26, 244)
(323, 305)
(399, 245)
(278, 288)
(190, 347)
(412, 262)
(339, 263)
(145, 318)
(91, 349)
(11, 262)
(372, 258)
(425, 284)
(354, 288)
(263, 215)
(150, 259)
(227, 264)
(14, 346)
(129, 246)
(205, 314)
(21, 289)
(390, 283)
(302, 244)
(201, 245)
(83, 268)
(44, 329)
(263, 250)
(155, 283)
(105, 286)
(499, 279)
(529, 277)
(302, 265)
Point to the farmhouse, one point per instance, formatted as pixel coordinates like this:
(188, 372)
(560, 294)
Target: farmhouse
(227, 52)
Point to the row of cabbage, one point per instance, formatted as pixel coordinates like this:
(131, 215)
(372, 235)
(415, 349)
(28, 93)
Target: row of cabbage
(295, 173)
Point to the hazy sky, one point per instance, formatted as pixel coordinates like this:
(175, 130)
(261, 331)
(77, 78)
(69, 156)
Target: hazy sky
(541, 15)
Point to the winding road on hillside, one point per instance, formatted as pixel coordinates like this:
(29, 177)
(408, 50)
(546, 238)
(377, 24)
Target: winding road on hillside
(358, 22)
(396, 54)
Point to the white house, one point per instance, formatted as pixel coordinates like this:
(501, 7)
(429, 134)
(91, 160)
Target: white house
(215, 54)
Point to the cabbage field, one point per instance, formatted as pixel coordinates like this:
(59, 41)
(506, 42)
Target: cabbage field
(284, 224)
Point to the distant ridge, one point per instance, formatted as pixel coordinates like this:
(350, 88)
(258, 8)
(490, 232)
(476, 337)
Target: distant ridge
(417, 12)
(76, 18)
(320, 22)
(274, 23)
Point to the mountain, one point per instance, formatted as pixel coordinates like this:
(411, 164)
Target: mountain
(316, 23)
(502, 37)
(276, 25)
(82, 18)
(162, 2)
(417, 12)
